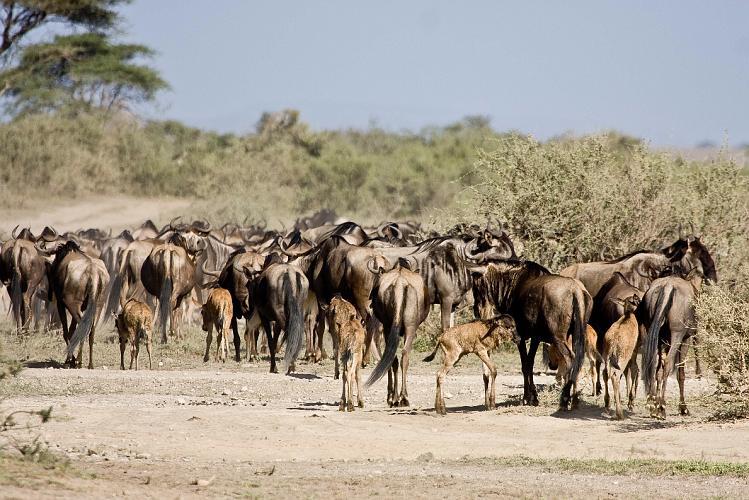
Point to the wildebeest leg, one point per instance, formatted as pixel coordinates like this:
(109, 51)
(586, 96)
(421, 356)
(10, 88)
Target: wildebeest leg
(357, 370)
(65, 331)
(148, 351)
(668, 366)
(122, 354)
(133, 343)
(405, 355)
(448, 361)
(91, 343)
(681, 361)
(393, 383)
(531, 359)
(697, 367)
(446, 316)
(208, 340)
(633, 372)
(342, 404)
(606, 398)
(320, 353)
(522, 349)
(135, 354)
(272, 339)
(489, 371)
(238, 341)
(337, 352)
(616, 377)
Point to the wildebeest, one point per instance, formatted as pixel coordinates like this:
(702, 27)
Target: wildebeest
(169, 274)
(607, 309)
(667, 313)
(234, 277)
(22, 270)
(642, 267)
(338, 311)
(277, 295)
(217, 312)
(480, 337)
(134, 324)
(78, 283)
(350, 337)
(399, 303)
(619, 350)
(546, 308)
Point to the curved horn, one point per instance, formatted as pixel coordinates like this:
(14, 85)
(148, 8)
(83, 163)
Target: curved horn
(371, 266)
(208, 226)
(380, 233)
(691, 226)
(13, 233)
(205, 271)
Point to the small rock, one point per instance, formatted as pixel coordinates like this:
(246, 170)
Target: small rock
(181, 401)
(203, 482)
(143, 456)
(161, 363)
(226, 392)
(425, 457)
(243, 389)
(448, 395)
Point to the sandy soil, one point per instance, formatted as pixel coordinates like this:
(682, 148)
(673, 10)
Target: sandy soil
(153, 433)
(118, 212)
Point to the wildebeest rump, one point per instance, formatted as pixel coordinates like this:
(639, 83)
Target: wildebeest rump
(78, 283)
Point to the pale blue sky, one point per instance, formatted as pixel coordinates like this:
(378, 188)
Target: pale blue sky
(673, 72)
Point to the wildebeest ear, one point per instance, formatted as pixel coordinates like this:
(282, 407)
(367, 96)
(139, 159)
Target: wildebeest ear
(694, 273)
(488, 235)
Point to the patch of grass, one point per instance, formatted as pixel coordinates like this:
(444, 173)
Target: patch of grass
(634, 466)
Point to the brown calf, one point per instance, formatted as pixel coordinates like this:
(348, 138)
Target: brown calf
(351, 335)
(134, 323)
(479, 337)
(339, 311)
(218, 312)
(619, 354)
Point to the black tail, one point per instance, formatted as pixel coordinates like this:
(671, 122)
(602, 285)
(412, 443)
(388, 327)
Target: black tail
(88, 319)
(113, 296)
(294, 320)
(430, 358)
(392, 340)
(650, 344)
(578, 338)
(165, 306)
(16, 297)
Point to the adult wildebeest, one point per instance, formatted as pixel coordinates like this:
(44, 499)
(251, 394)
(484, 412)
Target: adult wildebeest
(546, 308)
(78, 283)
(399, 303)
(234, 277)
(277, 295)
(169, 274)
(606, 311)
(667, 313)
(22, 270)
(641, 267)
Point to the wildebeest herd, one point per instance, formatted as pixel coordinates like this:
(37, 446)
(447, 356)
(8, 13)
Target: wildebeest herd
(369, 286)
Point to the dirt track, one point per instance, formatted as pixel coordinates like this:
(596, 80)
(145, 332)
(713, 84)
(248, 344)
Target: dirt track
(239, 424)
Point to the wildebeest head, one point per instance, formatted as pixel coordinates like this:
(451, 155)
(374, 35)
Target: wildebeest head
(503, 328)
(491, 244)
(629, 304)
(25, 234)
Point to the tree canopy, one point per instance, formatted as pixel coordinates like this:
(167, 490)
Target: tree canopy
(85, 69)
(19, 17)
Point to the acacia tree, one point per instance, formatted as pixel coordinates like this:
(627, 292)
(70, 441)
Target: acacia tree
(19, 17)
(79, 70)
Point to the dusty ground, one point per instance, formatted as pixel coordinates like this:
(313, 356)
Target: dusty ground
(112, 212)
(251, 433)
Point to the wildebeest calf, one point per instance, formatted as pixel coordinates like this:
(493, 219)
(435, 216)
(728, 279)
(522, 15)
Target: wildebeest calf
(134, 323)
(339, 311)
(479, 337)
(619, 351)
(218, 312)
(352, 335)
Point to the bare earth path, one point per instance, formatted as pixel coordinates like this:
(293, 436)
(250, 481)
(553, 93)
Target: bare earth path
(154, 433)
(116, 212)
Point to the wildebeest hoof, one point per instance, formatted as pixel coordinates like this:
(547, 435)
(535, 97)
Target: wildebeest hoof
(683, 410)
(361, 404)
(342, 406)
(403, 403)
(350, 407)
